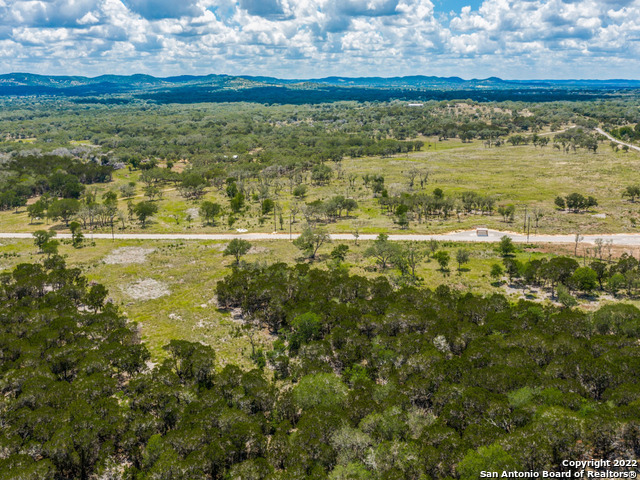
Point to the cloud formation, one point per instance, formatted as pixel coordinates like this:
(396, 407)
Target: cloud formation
(312, 38)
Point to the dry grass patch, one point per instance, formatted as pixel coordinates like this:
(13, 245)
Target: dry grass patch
(146, 289)
(128, 255)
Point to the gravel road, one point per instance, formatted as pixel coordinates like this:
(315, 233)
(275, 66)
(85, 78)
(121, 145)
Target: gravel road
(462, 236)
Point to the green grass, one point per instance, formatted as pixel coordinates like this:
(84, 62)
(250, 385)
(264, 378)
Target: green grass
(522, 175)
(191, 269)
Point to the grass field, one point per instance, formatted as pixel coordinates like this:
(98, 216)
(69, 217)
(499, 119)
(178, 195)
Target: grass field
(183, 276)
(526, 176)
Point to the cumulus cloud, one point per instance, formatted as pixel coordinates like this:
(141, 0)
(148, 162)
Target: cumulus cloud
(263, 8)
(156, 9)
(295, 38)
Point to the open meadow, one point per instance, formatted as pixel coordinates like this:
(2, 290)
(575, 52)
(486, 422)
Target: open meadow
(525, 176)
(168, 287)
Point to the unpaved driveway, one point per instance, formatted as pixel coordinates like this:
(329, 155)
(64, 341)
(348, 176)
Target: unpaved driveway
(628, 239)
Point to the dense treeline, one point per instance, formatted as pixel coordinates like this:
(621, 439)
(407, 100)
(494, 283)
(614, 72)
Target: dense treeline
(370, 383)
(627, 133)
(301, 96)
(23, 177)
(601, 274)
(291, 134)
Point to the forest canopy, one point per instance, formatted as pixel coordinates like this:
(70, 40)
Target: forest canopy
(364, 381)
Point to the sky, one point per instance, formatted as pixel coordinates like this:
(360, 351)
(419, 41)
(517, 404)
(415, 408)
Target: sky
(511, 39)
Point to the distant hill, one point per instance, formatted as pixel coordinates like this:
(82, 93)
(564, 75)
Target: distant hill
(263, 89)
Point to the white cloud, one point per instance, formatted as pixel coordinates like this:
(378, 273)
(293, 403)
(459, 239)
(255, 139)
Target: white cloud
(296, 38)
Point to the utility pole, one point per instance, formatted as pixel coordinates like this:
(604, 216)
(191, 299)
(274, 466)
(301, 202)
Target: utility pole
(290, 220)
(528, 228)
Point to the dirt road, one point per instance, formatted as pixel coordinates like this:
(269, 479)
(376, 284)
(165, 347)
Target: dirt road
(623, 239)
(602, 132)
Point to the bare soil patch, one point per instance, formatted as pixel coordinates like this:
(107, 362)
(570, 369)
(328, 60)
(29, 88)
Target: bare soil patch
(146, 289)
(128, 255)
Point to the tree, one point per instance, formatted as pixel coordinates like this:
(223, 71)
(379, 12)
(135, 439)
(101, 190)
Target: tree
(237, 247)
(615, 283)
(411, 254)
(349, 205)
(496, 272)
(442, 257)
(192, 186)
(512, 267)
(310, 241)
(128, 190)
(632, 191)
(209, 211)
(267, 206)
(506, 246)
(321, 174)
(492, 458)
(432, 246)
(237, 202)
(507, 212)
(41, 237)
(339, 253)
(565, 297)
(300, 191)
(36, 210)
(76, 234)
(383, 250)
(585, 279)
(558, 270)
(462, 257)
(144, 210)
(51, 248)
(64, 209)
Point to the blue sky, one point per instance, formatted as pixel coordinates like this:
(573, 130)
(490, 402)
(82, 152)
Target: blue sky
(313, 38)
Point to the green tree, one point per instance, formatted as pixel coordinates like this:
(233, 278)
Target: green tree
(144, 210)
(585, 279)
(339, 253)
(267, 206)
(36, 210)
(77, 238)
(237, 203)
(300, 191)
(237, 247)
(41, 237)
(496, 272)
(310, 241)
(492, 458)
(615, 283)
(443, 258)
(320, 390)
(192, 186)
(321, 174)
(383, 250)
(506, 246)
(209, 211)
(64, 209)
(462, 257)
(565, 297)
(507, 212)
(410, 254)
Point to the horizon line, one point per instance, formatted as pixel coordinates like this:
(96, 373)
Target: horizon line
(491, 77)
